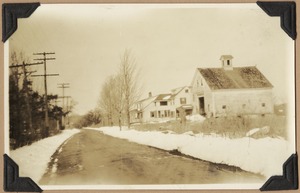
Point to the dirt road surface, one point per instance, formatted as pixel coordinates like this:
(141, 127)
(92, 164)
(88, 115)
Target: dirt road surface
(92, 158)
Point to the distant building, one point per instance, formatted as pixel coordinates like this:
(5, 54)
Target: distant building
(163, 107)
(231, 90)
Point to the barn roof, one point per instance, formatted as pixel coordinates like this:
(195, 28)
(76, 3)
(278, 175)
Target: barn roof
(238, 78)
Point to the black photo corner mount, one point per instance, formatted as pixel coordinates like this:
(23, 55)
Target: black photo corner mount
(10, 14)
(287, 12)
(11, 180)
(289, 179)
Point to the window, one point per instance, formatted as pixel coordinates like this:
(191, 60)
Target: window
(263, 104)
(154, 103)
(163, 103)
(152, 114)
(166, 113)
(172, 113)
(140, 115)
(228, 62)
(186, 90)
(158, 113)
(244, 105)
(182, 101)
(224, 107)
(201, 82)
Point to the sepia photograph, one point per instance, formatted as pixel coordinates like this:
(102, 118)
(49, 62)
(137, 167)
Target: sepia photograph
(150, 96)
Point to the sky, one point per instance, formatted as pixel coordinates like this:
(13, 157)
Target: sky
(168, 43)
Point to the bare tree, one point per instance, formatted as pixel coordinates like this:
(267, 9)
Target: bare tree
(118, 98)
(111, 100)
(120, 92)
(128, 73)
(105, 102)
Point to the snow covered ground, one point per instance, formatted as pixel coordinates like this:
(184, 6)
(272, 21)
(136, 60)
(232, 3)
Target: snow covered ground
(195, 118)
(33, 159)
(263, 156)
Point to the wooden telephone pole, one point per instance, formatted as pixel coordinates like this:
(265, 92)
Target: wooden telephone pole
(45, 59)
(63, 86)
(68, 108)
(25, 87)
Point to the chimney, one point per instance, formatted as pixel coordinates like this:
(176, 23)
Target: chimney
(150, 94)
(226, 62)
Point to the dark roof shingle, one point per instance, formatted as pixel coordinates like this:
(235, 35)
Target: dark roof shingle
(238, 78)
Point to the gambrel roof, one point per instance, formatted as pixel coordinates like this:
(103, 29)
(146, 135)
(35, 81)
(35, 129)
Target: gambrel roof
(238, 78)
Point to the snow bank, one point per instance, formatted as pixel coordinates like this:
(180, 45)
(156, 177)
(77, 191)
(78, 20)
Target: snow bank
(33, 159)
(263, 156)
(263, 131)
(197, 118)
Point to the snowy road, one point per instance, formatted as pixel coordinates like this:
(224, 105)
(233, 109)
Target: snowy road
(91, 157)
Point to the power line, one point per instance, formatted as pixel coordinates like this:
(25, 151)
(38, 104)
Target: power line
(25, 64)
(44, 59)
(44, 75)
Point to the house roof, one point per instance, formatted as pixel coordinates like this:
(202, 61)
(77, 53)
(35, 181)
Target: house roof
(146, 101)
(175, 91)
(238, 78)
(172, 95)
(162, 97)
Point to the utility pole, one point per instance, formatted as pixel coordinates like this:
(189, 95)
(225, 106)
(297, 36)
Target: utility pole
(67, 107)
(63, 86)
(45, 59)
(25, 87)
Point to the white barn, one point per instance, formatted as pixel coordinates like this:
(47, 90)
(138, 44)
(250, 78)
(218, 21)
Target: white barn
(231, 90)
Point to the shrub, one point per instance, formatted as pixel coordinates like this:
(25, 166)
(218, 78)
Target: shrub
(230, 126)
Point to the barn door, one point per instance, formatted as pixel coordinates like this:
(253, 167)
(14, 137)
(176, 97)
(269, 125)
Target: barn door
(201, 106)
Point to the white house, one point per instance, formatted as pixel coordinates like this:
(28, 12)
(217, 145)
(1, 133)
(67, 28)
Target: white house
(163, 107)
(231, 90)
(140, 111)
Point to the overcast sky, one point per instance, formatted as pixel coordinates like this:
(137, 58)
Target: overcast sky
(168, 43)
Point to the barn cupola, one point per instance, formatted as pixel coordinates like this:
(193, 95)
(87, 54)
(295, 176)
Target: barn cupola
(226, 62)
